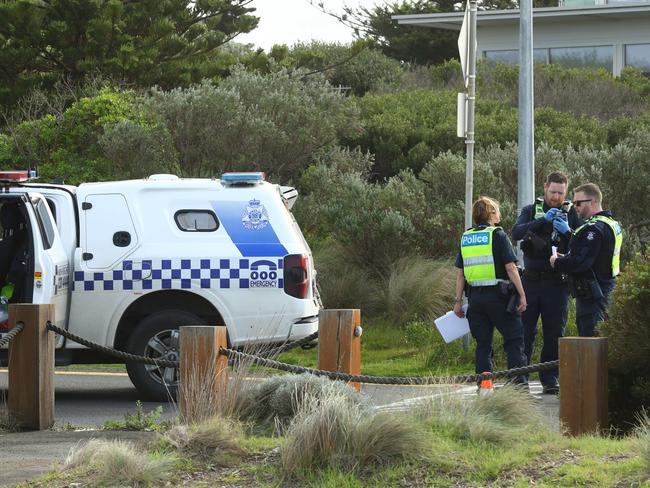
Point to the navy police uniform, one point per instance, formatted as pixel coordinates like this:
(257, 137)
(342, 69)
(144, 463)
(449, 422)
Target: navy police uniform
(487, 303)
(592, 263)
(547, 292)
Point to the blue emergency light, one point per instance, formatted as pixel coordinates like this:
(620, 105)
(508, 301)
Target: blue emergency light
(243, 177)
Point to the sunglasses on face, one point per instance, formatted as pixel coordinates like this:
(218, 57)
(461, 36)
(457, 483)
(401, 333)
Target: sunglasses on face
(577, 203)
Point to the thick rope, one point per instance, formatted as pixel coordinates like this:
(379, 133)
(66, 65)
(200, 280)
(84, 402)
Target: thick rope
(11, 334)
(334, 375)
(112, 352)
(388, 380)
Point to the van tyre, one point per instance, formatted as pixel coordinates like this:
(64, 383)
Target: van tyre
(156, 336)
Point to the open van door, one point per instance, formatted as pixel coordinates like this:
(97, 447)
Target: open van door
(34, 266)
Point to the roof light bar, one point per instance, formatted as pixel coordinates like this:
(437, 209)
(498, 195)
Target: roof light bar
(243, 177)
(17, 176)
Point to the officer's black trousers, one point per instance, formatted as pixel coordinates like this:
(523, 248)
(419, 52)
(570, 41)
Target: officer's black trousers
(487, 311)
(550, 299)
(589, 312)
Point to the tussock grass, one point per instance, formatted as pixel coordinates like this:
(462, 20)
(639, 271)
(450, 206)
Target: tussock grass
(418, 287)
(502, 417)
(274, 402)
(344, 283)
(328, 432)
(216, 440)
(118, 463)
(642, 431)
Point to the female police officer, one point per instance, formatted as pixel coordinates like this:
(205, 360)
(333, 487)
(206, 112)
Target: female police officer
(486, 260)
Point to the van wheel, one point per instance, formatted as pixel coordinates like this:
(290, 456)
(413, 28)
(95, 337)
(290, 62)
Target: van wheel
(157, 337)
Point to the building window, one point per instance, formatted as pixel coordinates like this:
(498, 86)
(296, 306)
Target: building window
(584, 57)
(638, 55)
(512, 56)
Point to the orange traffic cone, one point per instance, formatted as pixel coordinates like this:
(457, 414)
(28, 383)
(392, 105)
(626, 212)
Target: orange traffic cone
(486, 387)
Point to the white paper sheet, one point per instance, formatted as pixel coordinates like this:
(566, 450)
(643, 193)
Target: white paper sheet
(452, 327)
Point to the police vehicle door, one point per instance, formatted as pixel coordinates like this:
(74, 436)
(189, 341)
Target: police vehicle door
(51, 269)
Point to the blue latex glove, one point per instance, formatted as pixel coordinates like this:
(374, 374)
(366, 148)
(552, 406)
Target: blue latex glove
(561, 225)
(550, 215)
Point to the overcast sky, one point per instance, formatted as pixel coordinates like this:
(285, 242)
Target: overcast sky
(290, 21)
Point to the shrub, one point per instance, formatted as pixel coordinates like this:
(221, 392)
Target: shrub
(67, 145)
(327, 432)
(628, 333)
(403, 130)
(140, 420)
(356, 67)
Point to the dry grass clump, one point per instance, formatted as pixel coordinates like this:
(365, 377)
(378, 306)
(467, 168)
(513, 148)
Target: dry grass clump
(216, 440)
(328, 432)
(418, 287)
(274, 402)
(642, 431)
(117, 463)
(501, 417)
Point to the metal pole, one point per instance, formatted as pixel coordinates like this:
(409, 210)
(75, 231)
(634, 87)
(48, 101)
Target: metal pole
(471, 99)
(526, 162)
(469, 140)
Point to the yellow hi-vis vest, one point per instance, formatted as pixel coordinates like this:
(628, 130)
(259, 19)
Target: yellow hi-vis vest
(618, 239)
(478, 260)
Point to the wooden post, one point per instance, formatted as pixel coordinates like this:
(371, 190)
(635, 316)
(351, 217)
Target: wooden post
(339, 342)
(583, 384)
(203, 372)
(31, 367)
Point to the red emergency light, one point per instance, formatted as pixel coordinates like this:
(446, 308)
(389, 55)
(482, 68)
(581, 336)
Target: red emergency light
(14, 176)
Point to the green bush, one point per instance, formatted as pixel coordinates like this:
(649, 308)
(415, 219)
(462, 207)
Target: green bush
(404, 130)
(628, 333)
(275, 123)
(356, 67)
(67, 145)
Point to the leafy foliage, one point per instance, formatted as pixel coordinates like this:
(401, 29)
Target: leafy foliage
(628, 333)
(356, 67)
(167, 43)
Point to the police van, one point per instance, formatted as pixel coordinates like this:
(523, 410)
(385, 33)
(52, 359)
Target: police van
(127, 262)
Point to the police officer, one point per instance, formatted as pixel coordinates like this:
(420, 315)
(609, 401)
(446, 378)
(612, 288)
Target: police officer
(593, 261)
(540, 227)
(486, 261)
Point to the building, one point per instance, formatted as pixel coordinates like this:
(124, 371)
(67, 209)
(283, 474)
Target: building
(575, 34)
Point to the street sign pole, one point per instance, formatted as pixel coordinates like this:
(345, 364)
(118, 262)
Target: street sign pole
(526, 160)
(466, 105)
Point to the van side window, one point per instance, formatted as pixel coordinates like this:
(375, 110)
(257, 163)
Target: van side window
(196, 220)
(44, 222)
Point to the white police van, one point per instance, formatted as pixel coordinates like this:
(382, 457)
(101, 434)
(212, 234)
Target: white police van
(127, 262)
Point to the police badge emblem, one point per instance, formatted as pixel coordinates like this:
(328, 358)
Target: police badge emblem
(590, 236)
(255, 216)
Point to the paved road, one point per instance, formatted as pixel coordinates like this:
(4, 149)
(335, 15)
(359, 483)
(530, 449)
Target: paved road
(88, 399)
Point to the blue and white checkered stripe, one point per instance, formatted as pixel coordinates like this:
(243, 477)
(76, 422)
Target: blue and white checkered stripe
(165, 274)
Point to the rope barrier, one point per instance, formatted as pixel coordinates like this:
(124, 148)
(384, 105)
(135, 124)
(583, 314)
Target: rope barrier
(11, 334)
(388, 380)
(334, 375)
(110, 351)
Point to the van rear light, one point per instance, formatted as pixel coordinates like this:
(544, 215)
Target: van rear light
(296, 281)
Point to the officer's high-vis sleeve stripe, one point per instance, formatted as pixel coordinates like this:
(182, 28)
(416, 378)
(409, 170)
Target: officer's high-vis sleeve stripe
(477, 260)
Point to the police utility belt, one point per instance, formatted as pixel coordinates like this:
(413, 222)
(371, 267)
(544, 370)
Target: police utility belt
(503, 289)
(585, 288)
